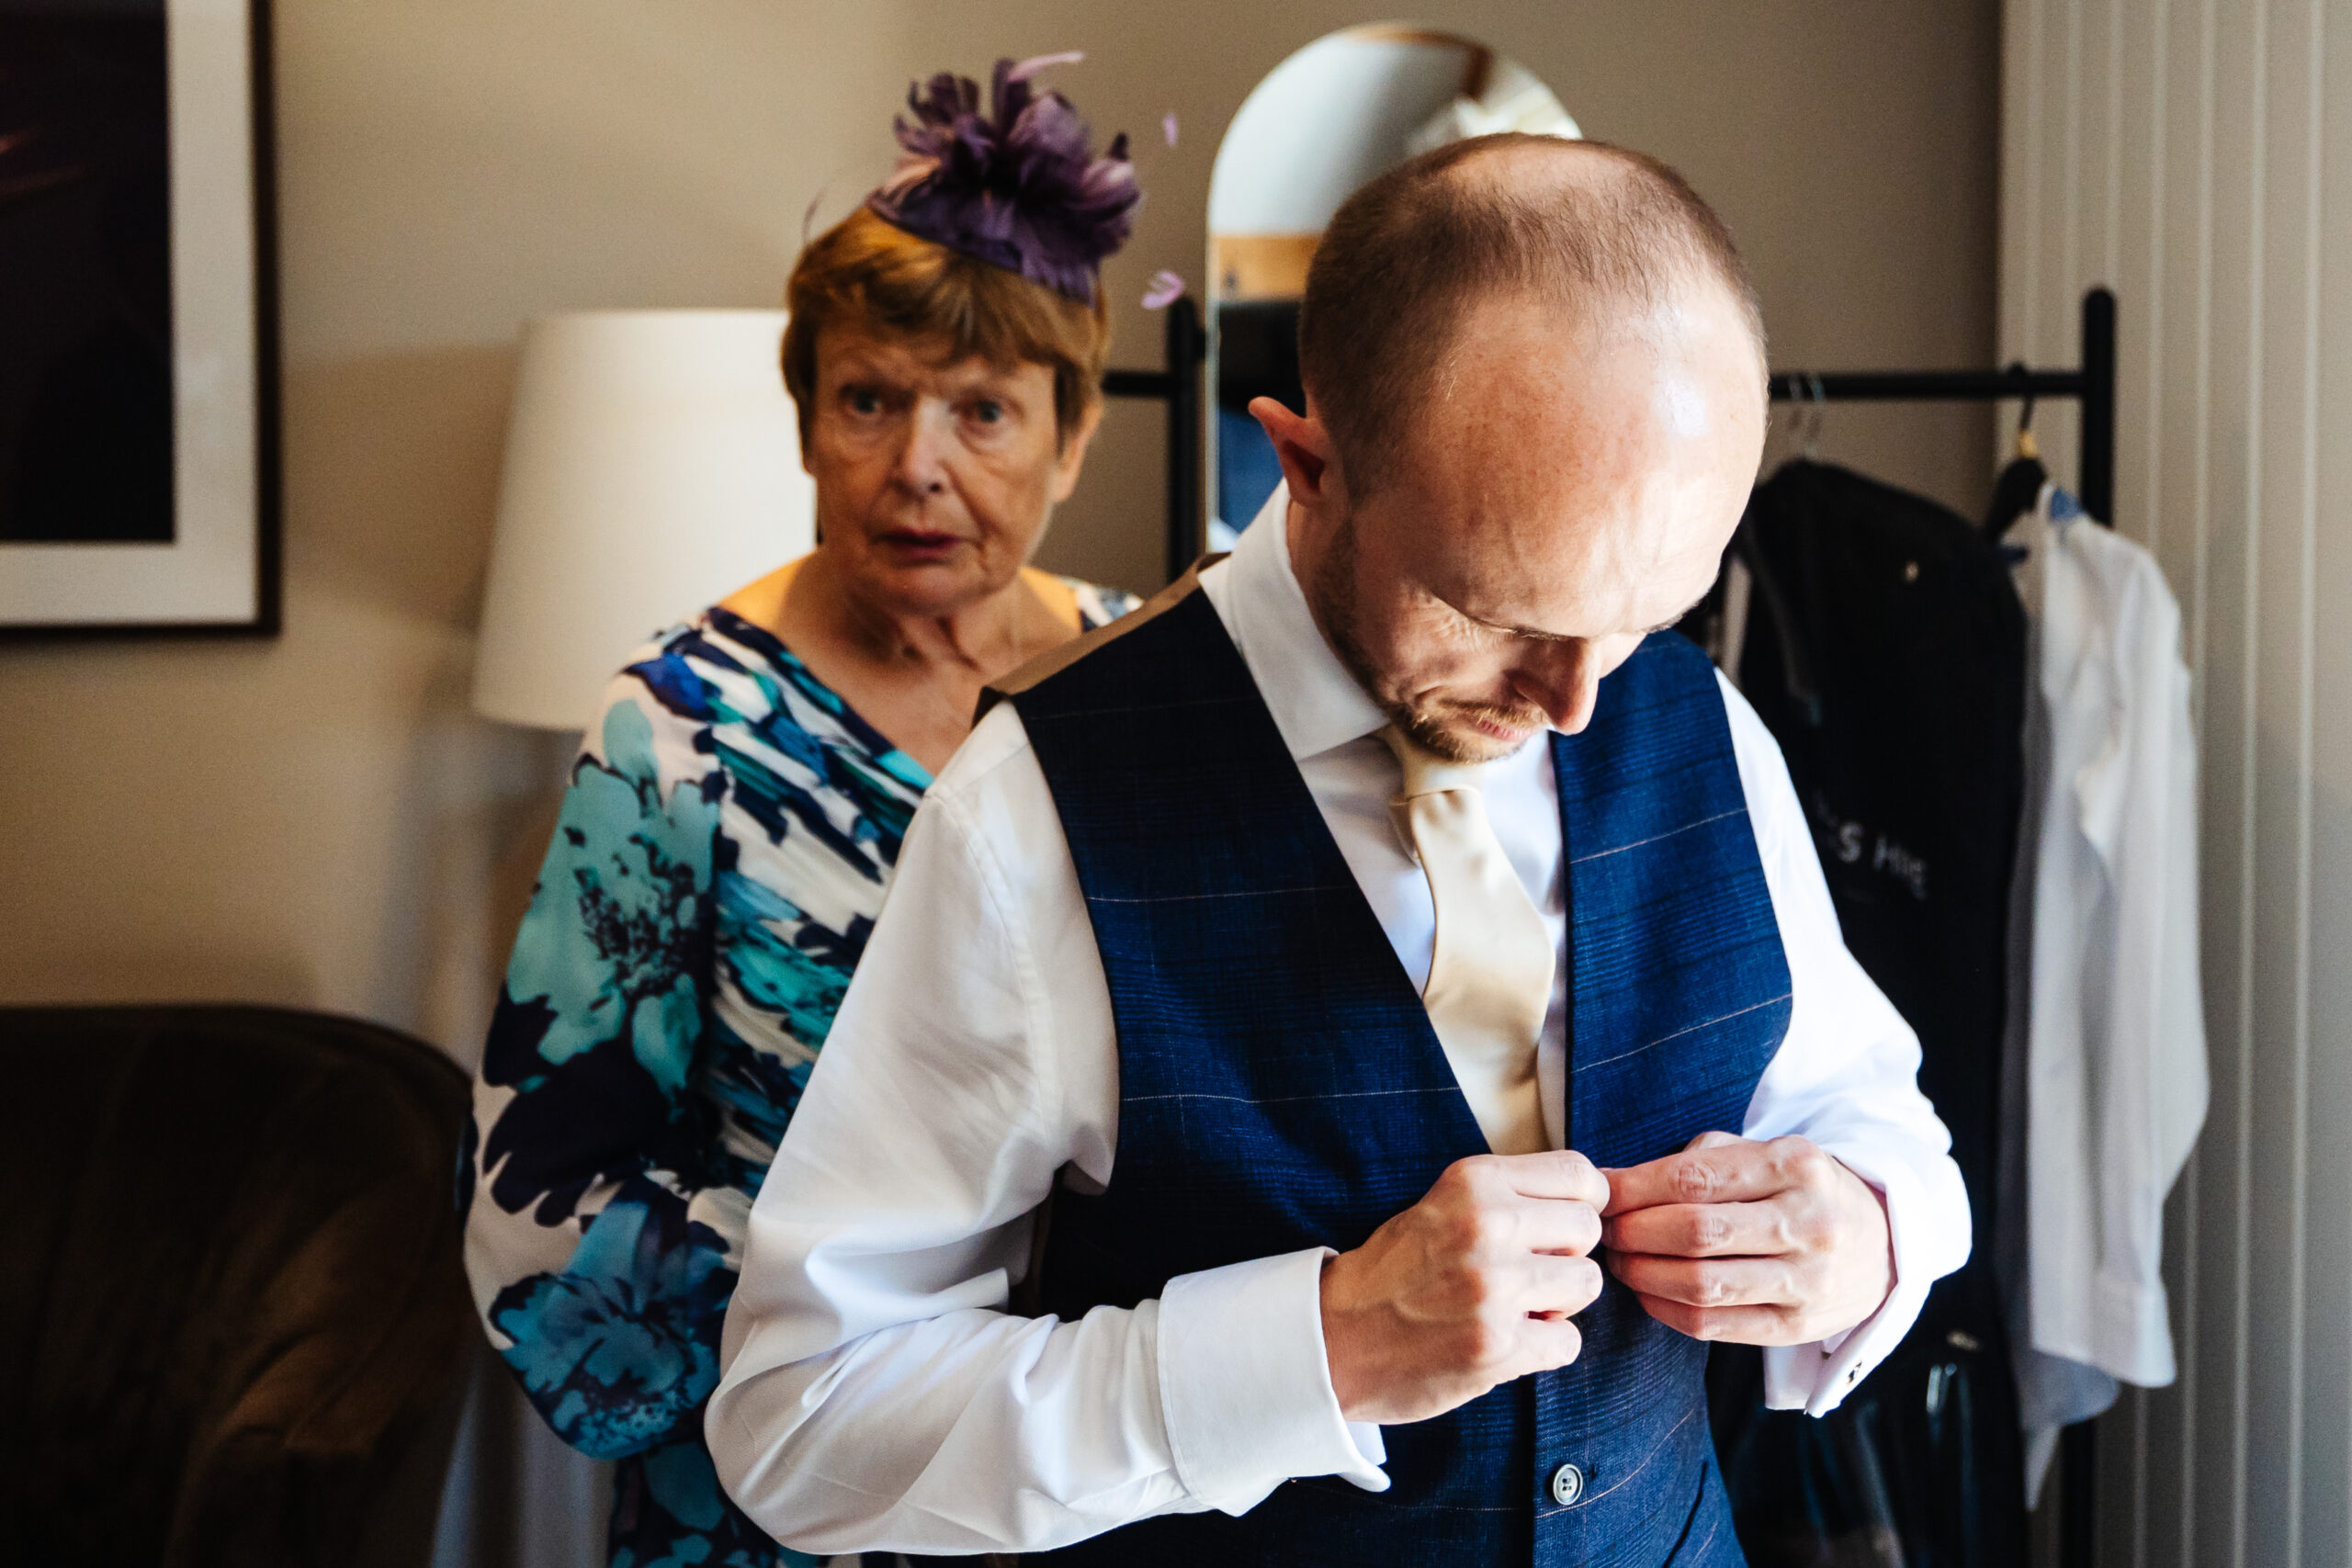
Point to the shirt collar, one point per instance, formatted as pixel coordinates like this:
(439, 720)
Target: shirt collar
(1316, 702)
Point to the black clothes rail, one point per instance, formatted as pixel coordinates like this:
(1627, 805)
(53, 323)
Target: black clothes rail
(1186, 347)
(2092, 383)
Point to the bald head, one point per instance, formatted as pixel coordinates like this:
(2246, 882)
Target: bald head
(1535, 404)
(1602, 236)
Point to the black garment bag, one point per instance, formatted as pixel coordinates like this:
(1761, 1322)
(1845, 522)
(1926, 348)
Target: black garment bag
(1885, 651)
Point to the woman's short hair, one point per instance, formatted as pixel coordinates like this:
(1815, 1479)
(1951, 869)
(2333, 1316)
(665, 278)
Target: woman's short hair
(863, 272)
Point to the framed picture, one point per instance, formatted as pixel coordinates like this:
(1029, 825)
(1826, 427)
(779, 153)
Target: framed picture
(138, 473)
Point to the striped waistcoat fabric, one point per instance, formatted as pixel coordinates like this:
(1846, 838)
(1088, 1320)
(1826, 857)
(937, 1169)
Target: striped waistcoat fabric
(1280, 1087)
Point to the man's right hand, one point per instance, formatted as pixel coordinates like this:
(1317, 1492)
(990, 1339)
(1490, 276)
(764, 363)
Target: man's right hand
(1471, 1287)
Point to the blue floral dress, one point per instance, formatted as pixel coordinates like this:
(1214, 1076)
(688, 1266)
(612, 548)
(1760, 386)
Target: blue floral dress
(724, 846)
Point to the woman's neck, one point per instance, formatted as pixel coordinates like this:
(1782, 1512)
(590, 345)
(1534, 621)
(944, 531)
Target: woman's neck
(979, 640)
(915, 677)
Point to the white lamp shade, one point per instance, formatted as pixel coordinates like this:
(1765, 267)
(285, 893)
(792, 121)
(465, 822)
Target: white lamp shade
(652, 467)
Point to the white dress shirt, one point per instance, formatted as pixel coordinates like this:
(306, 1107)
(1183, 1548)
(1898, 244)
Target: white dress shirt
(2104, 958)
(877, 1394)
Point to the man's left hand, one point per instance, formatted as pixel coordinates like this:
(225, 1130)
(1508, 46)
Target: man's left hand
(1758, 1243)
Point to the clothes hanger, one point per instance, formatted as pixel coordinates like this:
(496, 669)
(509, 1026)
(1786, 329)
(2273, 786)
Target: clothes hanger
(1812, 415)
(2019, 486)
(1807, 416)
(1770, 600)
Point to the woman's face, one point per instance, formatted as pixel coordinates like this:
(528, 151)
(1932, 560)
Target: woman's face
(934, 479)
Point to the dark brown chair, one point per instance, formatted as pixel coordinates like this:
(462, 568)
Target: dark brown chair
(233, 1316)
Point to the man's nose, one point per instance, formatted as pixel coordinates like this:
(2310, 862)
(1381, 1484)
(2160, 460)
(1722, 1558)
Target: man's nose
(1564, 680)
(921, 469)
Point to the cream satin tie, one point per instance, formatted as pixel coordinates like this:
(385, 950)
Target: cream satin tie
(1490, 967)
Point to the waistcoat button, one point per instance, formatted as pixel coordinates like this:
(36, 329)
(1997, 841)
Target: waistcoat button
(1568, 1484)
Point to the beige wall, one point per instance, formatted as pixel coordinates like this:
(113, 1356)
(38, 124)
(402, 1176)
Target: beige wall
(317, 820)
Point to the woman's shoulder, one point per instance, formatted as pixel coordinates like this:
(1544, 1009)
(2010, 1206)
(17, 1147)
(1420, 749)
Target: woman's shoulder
(650, 718)
(689, 677)
(744, 694)
(716, 669)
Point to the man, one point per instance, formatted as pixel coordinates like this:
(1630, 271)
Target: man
(1350, 1023)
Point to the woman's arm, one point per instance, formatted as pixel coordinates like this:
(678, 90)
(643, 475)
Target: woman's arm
(601, 1266)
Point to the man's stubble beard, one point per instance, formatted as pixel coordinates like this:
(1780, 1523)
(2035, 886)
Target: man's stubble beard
(1332, 596)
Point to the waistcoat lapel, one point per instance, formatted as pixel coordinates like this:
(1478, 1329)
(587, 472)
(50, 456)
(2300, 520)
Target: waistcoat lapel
(1679, 998)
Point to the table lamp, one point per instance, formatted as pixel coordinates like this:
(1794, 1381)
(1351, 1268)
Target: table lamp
(652, 467)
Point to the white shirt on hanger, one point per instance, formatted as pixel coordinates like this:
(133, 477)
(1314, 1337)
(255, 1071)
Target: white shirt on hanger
(876, 1393)
(2114, 1071)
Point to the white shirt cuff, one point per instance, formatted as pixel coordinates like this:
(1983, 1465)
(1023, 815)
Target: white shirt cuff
(1245, 1386)
(1816, 1377)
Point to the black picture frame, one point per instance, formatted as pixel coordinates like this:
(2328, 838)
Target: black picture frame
(216, 571)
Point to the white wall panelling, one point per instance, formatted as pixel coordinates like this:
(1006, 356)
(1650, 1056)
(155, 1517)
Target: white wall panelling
(2195, 155)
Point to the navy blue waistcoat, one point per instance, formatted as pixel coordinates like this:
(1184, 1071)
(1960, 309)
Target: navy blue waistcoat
(1279, 1086)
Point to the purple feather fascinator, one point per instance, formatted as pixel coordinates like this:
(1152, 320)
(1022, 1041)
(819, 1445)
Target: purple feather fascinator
(1019, 186)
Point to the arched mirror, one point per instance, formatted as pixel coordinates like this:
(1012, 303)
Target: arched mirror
(1332, 116)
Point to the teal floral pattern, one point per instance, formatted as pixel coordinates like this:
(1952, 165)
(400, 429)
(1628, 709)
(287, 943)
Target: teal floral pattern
(723, 848)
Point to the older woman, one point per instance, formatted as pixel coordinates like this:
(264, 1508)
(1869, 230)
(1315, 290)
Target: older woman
(736, 810)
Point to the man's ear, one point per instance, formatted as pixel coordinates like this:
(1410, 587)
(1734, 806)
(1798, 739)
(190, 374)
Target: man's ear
(1309, 459)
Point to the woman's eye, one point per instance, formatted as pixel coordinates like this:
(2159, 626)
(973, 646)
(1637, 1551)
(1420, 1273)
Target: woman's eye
(863, 400)
(988, 410)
